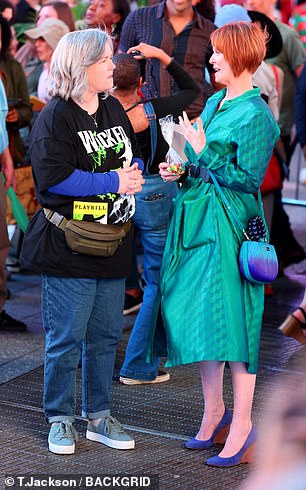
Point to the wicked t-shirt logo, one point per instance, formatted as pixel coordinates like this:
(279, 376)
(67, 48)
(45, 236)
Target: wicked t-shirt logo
(113, 139)
(99, 147)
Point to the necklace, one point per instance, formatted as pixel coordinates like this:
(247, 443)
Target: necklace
(132, 106)
(132, 101)
(94, 118)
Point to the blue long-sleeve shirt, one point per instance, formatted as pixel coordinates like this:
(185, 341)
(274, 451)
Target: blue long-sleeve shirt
(90, 184)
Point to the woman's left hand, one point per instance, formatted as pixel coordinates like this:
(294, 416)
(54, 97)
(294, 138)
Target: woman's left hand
(195, 136)
(165, 175)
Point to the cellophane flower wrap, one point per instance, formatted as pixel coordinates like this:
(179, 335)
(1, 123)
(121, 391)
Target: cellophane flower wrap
(173, 158)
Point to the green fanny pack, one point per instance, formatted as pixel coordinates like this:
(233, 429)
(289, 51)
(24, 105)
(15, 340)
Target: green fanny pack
(87, 237)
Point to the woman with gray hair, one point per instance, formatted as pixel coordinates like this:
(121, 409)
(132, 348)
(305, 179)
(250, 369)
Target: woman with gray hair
(86, 167)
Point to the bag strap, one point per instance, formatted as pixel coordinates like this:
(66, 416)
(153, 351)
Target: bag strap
(60, 221)
(55, 218)
(227, 205)
(151, 116)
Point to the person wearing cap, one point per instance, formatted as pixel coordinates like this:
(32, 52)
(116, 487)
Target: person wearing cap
(26, 53)
(211, 314)
(46, 37)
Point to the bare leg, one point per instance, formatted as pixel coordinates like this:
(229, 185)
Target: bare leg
(243, 389)
(212, 385)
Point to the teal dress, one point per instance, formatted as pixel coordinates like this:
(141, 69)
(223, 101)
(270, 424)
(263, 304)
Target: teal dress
(209, 311)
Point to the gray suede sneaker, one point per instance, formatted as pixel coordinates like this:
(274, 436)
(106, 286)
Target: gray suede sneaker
(62, 437)
(110, 432)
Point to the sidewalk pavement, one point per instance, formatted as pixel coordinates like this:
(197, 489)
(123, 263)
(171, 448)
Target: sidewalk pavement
(160, 417)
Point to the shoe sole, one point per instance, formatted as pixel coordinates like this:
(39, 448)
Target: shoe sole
(247, 457)
(92, 436)
(219, 438)
(11, 269)
(130, 381)
(292, 328)
(54, 448)
(132, 310)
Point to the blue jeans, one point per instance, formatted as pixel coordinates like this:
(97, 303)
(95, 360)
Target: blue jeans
(151, 219)
(80, 316)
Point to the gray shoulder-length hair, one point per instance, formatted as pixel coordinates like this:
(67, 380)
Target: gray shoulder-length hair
(75, 52)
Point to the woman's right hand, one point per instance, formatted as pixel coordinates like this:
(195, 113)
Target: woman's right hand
(149, 51)
(130, 180)
(165, 175)
(195, 136)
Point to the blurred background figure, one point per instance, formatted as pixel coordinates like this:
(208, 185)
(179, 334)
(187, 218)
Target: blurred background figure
(46, 37)
(26, 54)
(13, 43)
(56, 10)
(295, 323)
(154, 201)
(291, 60)
(300, 111)
(7, 323)
(205, 8)
(184, 34)
(284, 9)
(25, 16)
(7, 10)
(17, 120)
(26, 11)
(298, 20)
(228, 2)
(14, 81)
(109, 15)
(281, 450)
(78, 8)
(291, 327)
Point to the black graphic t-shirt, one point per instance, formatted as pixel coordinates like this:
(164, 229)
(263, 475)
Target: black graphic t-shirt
(65, 138)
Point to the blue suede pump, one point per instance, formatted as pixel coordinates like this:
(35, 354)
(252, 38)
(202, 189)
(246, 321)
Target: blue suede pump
(245, 455)
(218, 436)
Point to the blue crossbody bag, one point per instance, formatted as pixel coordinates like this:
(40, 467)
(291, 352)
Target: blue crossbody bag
(257, 259)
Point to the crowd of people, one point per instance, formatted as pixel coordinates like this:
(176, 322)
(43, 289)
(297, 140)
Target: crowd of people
(89, 82)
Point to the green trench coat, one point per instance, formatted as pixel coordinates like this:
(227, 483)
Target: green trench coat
(209, 311)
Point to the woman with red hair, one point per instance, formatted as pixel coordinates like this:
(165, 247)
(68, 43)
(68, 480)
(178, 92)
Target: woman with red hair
(218, 319)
